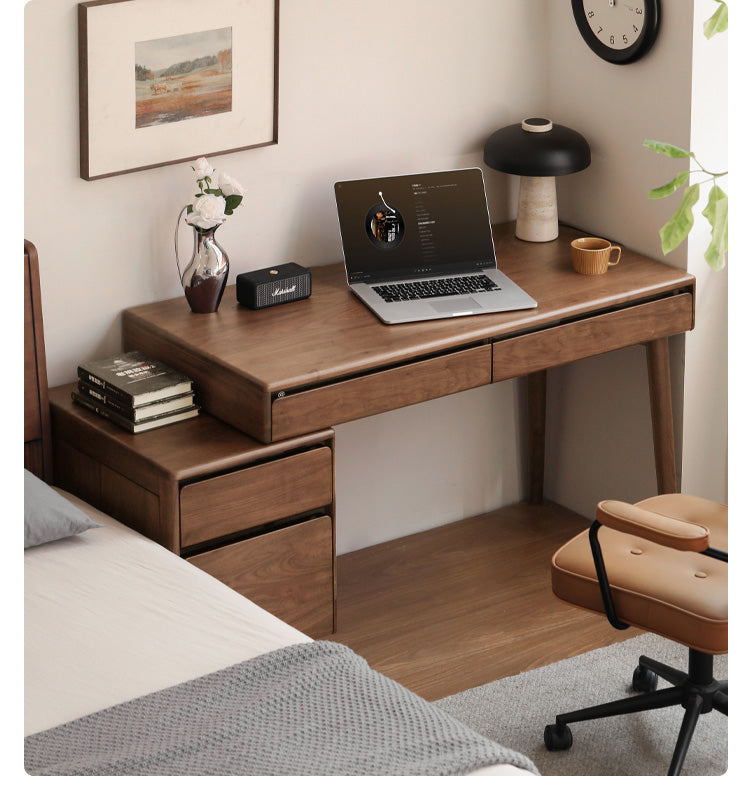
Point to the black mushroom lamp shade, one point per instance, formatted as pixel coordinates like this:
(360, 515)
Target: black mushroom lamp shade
(538, 151)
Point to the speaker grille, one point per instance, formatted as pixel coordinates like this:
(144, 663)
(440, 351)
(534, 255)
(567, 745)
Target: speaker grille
(282, 284)
(282, 291)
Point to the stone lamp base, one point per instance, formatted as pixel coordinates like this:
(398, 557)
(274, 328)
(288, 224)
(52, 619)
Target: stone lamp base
(537, 209)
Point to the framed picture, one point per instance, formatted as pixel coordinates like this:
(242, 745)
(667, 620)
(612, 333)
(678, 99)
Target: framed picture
(163, 82)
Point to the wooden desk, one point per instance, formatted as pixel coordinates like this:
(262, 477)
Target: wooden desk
(297, 368)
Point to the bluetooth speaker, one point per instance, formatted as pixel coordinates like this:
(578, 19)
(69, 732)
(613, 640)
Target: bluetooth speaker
(259, 289)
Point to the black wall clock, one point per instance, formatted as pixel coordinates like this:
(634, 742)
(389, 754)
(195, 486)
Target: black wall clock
(620, 31)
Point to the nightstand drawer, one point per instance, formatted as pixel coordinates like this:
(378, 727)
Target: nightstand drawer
(287, 571)
(256, 495)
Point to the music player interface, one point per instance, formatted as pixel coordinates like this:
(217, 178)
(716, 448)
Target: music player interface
(413, 222)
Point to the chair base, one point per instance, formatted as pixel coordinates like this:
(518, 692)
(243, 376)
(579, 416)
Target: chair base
(697, 691)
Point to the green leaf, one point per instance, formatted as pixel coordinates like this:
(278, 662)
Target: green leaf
(667, 190)
(666, 148)
(714, 195)
(718, 22)
(717, 214)
(232, 202)
(677, 228)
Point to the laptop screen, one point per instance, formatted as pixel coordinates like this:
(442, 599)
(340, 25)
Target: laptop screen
(414, 225)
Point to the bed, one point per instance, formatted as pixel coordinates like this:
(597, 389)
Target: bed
(138, 663)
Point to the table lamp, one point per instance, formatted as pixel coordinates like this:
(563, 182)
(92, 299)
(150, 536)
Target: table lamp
(538, 151)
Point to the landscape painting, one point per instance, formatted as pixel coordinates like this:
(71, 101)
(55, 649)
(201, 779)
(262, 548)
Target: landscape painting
(183, 77)
(187, 64)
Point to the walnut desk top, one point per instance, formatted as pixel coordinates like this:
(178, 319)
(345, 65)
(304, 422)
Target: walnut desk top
(300, 367)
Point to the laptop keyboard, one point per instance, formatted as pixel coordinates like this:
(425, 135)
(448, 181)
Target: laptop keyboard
(435, 288)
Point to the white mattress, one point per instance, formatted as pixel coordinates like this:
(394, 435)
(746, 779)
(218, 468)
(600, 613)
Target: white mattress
(110, 616)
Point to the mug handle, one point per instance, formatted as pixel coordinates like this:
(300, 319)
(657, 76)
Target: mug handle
(619, 252)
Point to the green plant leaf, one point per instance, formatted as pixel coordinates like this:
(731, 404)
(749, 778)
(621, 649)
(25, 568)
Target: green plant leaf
(717, 214)
(667, 190)
(666, 148)
(232, 202)
(677, 228)
(718, 22)
(714, 195)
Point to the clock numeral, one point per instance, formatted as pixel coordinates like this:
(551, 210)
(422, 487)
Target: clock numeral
(618, 31)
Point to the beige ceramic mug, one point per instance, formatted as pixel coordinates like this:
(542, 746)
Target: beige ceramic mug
(592, 255)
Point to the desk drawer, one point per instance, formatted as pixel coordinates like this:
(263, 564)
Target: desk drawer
(591, 336)
(288, 571)
(378, 392)
(256, 495)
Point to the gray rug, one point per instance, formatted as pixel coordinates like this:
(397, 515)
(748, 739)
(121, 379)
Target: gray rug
(514, 711)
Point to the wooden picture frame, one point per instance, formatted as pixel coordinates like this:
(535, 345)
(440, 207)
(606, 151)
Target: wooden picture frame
(164, 82)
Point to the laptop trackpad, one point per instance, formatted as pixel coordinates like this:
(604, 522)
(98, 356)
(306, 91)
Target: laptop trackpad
(455, 305)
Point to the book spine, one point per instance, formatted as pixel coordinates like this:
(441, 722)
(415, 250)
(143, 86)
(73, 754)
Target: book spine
(99, 395)
(102, 410)
(89, 377)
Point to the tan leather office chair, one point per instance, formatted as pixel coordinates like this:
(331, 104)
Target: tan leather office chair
(659, 565)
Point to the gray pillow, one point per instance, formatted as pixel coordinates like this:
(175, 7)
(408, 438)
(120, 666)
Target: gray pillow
(47, 515)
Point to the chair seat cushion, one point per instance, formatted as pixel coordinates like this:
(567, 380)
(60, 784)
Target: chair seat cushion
(681, 595)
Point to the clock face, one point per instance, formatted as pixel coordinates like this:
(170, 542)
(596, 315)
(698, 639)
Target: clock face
(620, 31)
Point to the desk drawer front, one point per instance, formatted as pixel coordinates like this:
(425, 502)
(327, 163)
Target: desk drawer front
(256, 495)
(381, 391)
(289, 572)
(591, 336)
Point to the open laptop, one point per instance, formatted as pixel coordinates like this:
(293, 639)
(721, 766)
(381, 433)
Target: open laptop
(419, 247)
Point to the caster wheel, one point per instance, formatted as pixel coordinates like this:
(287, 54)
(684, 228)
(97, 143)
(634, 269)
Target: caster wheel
(644, 680)
(557, 737)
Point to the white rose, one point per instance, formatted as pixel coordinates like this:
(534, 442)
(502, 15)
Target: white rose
(229, 186)
(202, 168)
(208, 211)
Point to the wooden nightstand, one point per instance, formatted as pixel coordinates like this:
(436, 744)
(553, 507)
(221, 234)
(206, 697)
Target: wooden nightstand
(259, 517)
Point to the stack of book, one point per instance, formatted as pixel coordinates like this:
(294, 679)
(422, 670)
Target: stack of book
(135, 391)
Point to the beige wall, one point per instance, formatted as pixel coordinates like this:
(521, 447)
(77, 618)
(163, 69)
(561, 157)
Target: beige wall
(600, 442)
(705, 449)
(455, 72)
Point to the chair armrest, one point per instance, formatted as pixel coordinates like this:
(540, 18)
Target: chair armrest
(666, 531)
(633, 520)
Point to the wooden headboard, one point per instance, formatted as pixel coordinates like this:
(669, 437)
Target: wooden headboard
(37, 452)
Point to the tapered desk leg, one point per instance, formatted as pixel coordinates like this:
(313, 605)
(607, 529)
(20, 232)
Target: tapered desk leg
(660, 389)
(537, 404)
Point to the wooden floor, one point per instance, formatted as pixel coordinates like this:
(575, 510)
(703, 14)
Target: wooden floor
(459, 606)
